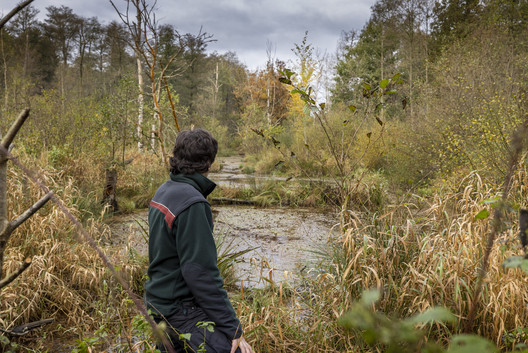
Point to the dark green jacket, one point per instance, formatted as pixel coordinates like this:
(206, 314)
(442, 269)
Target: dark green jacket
(182, 253)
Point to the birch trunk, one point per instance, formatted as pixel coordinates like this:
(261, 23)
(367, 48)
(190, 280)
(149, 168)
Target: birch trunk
(140, 102)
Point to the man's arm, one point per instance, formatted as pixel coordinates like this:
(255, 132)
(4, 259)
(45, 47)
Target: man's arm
(242, 344)
(198, 257)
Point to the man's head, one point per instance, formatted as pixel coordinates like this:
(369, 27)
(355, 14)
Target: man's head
(194, 152)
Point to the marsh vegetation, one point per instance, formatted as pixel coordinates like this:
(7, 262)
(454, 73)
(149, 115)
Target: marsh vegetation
(414, 161)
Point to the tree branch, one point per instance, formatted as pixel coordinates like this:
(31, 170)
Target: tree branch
(13, 12)
(15, 223)
(15, 274)
(13, 130)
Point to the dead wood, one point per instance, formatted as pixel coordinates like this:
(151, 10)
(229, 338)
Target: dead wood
(12, 276)
(14, 224)
(13, 12)
(228, 201)
(13, 130)
(23, 329)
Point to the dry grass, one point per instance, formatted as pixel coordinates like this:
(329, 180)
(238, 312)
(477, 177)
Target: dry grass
(423, 253)
(67, 280)
(419, 256)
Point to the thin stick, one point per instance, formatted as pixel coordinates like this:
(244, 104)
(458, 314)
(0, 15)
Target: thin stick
(8, 138)
(15, 274)
(14, 224)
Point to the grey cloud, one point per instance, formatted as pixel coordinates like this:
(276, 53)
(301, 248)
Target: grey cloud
(243, 26)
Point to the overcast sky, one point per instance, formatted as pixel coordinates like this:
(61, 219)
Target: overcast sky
(242, 26)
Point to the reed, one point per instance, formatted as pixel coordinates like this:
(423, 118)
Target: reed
(421, 254)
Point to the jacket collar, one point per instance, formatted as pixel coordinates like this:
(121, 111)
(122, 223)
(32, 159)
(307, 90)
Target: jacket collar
(197, 180)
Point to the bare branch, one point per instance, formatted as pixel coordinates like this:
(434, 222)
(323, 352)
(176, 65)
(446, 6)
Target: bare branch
(15, 274)
(13, 12)
(14, 224)
(8, 138)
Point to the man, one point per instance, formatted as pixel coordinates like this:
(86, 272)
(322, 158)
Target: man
(184, 285)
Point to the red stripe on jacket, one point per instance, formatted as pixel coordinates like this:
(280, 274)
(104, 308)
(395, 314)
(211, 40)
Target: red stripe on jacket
(169, 216)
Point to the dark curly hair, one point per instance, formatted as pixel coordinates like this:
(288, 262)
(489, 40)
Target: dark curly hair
(194, 152)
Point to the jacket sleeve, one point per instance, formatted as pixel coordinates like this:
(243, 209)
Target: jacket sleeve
(198, 258)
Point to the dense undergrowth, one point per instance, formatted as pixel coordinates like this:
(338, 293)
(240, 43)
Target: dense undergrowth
(420, 250)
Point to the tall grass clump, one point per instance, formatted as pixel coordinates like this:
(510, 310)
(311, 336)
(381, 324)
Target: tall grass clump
(430, 257)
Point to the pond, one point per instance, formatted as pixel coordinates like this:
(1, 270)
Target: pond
(283, 241)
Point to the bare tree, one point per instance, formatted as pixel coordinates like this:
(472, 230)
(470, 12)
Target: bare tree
(135, 28)
(147, 44)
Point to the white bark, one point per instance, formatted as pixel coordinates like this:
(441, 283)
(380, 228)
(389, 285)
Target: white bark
(141, 103)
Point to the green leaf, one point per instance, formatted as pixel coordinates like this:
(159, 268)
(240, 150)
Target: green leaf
(378, 107)
(438, 314)
(285, 80)
(370, 297)
(524, 266)
(470, 344)
(306, 98)
(395, 77)
(366, 86)
(482, 214)
(345, 122)
(493, 200)
(352, 108)
(513, 262)
(392, 91)
(369, 134)
(322, 105)
(370, 337)
(296, 91)
(185, 336)
(383, 84)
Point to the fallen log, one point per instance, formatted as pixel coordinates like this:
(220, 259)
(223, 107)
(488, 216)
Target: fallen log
(228, 201)
(23, 329)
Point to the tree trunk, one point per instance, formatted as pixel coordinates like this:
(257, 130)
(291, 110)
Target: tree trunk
(153, 138)
(138, 40)
(140, 102)
(3, 208)
(109, 193)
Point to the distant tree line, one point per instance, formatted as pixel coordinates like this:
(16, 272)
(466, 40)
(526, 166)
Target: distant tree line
(462, 88)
